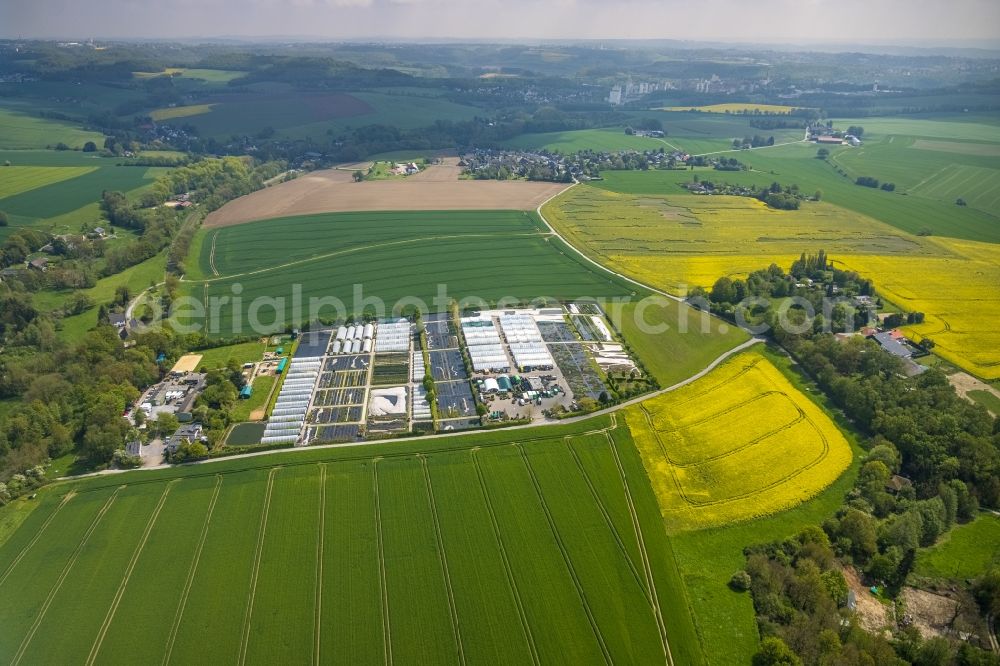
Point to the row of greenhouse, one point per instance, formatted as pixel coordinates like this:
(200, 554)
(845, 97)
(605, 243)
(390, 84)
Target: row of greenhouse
(289, 413)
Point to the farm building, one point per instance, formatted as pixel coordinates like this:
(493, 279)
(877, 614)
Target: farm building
(281, 366)
(190, 432)
(342, 333)
(503, 381)
(891, 344)
(830, 140)
(490, 385)
(246, 392)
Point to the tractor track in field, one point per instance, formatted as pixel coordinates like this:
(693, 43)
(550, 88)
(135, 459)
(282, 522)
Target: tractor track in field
(320, 548)
(505, 559)
(38, 535)
(607, 518)
(129, 569)
(644, 556)
(383, 583)
(257, 556)
(19, 655)
(565, 554)
(192, 569)
(443, 560)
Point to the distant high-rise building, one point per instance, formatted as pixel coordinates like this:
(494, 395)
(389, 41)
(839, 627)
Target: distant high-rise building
(616, 95)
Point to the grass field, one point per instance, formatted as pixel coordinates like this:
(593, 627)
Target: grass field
(688, 344)
(391, 256)
(942, 169)
(736, 445)
(987, 400)
(219, 357)
(609, 140)
(739, 108)
(966, 551)
(16, 179)
(21, 129)
(258, 400)
(297, 115)
(60, 201)
(474, 549)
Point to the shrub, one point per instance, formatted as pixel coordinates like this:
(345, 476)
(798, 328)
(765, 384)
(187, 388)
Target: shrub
(740, 581)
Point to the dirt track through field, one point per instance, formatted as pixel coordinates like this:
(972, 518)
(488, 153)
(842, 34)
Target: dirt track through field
(333, 190)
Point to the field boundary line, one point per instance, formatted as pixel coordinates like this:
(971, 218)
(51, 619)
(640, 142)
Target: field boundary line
(320, 546)
(383, 583)
(19, 655)
(565, 554)
(641, 542)
(120, 592)
(257, 556)
(443, 559)
(192, 569)
(508, 569)
(607, 518)
(38, 535)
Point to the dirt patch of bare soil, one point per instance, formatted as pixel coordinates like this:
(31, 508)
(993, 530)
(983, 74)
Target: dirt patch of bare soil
(333, 190)
(873, 615)
(930, 613)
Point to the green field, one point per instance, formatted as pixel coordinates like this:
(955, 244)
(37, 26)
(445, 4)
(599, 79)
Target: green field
(488, 254)
(15, 179)
(798, 164)
(609, 140)
(967, 551)
(675, 354)
(258, 399)
(987, 400)
(21, 129)
(218, 357)
(66, 197)
(941, 168)
(298, 115)
(474, 549)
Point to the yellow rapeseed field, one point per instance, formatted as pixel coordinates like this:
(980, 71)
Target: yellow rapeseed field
(735, 445)
(180, 111)
(683, 241)
(680, 242)
(735, 107)
(959, 292)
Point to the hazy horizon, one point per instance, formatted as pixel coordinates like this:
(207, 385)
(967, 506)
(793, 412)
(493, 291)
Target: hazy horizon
(958, 24)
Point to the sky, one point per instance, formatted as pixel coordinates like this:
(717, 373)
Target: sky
(913, 22)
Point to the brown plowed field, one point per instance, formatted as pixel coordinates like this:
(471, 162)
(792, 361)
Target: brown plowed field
(332, 191)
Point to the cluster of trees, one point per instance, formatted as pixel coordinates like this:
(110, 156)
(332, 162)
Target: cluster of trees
(755, 141)
(19, 245)
(727, 294)
(948, 453)
(800, 597)
(868, 181)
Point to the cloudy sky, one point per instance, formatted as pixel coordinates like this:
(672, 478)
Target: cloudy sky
(781, 21)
